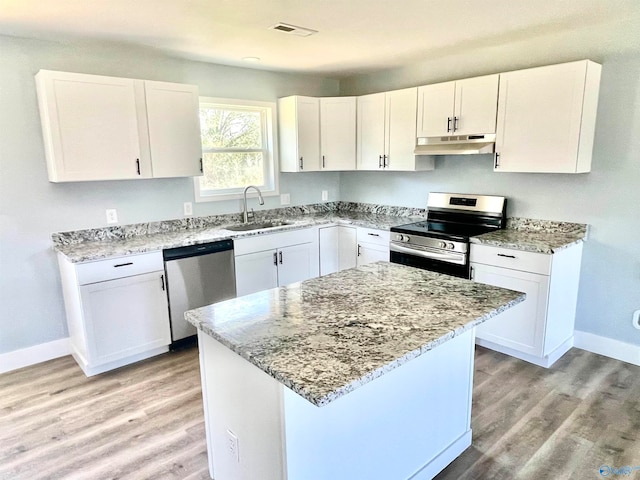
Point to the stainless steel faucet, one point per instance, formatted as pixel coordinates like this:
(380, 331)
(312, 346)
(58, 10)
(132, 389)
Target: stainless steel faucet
(244, 202)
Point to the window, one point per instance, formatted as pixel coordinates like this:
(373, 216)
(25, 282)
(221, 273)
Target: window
(238, 147)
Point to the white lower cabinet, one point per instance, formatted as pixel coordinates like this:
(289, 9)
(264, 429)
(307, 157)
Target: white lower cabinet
(268, 261)
(373, 245)
(338, 248)
(540, 329)
(117, 310)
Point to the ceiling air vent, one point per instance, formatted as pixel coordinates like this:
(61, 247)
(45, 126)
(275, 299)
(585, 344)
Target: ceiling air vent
(292, 29)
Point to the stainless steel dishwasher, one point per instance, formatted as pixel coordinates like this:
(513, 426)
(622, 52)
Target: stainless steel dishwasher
(197, 275)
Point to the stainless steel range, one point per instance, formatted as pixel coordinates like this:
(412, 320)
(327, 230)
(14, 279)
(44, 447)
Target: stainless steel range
(441, 243)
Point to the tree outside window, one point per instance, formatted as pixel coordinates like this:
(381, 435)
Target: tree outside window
(237, 146)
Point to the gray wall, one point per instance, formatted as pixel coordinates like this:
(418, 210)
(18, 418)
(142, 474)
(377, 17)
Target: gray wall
(31, 208)
(607, 198)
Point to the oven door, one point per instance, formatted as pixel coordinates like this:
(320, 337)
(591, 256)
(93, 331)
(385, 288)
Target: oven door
(434, 260)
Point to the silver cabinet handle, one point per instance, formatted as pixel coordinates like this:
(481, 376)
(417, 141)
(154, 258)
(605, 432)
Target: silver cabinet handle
(455, 123)
(379, 161)
(448, 124)
(301, 164)
(496, 161)
(384, 161)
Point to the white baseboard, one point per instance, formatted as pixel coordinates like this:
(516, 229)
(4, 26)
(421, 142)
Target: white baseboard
(608, 347)
(32, 355)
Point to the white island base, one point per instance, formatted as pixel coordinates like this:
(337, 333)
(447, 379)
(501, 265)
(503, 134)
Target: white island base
(409, 423)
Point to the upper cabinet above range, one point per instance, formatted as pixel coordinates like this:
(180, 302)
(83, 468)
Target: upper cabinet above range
(108, 128)
(462, 107)
(547, 118)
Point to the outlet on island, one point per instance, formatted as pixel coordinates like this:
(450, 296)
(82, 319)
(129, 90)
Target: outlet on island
(232, 446)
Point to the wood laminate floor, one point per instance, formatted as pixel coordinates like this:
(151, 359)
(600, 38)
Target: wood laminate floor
(145, 421)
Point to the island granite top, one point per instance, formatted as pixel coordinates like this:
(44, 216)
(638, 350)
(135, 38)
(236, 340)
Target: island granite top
(325, 337)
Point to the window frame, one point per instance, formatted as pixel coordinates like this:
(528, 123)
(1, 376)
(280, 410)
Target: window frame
(268, 114)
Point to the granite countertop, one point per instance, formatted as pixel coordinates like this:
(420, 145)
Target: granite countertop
(325, 337)
(541, 236)
(96, 244)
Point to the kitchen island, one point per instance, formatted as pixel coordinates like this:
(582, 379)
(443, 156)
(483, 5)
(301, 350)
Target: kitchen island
(366, 373)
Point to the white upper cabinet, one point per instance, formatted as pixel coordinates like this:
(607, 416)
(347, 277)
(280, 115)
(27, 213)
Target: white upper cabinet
(338, 133)
(174, 129)
(387, 132)
(546, 118)
(299, 129)
(107, 128)
(371, 131)
(463, 107)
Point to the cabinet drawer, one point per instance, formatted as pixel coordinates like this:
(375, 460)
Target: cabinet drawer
(371, 235)
(514, 259)
(271, 241)
(119, 267)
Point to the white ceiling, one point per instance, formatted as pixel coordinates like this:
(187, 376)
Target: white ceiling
(354, 36)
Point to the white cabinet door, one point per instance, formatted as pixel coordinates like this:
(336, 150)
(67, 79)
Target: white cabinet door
(476, 105)
(174, 129)
(299, 130)
(125, 317)
(369, 253)
(256, 272)
(400, 136)
(338, 133)
(523, 326)
(90, 126)
(328, 250)
(347, 247)
(371, 131)
(546, 118)
(435, 109)
(297, 263)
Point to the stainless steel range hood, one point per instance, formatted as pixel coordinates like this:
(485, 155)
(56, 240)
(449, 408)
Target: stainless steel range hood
(456, 145)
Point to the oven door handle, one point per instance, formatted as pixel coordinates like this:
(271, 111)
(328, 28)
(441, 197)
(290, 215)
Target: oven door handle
(449, 257)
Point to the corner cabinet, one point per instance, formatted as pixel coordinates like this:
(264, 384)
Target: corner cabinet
(462, 107)
(274, 260)
(117, 310)
(546, 118)
(107, 128)
(386, 132)
(540, 329)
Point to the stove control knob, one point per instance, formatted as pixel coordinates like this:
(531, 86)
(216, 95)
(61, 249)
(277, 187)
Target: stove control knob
(442, 244)
(405, 238)
(451, 246)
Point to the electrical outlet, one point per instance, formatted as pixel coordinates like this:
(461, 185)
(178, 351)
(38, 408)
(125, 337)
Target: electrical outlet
(325, 195)
(112, 215)
(232, 445)
(188, 209)
(285, 199)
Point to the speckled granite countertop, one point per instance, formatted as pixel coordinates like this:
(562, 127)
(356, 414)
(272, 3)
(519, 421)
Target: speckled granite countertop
(100, 243)
(541, 236)
(325, 337)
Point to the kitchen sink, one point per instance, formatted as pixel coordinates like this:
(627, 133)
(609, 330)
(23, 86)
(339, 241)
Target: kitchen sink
(244, 227)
